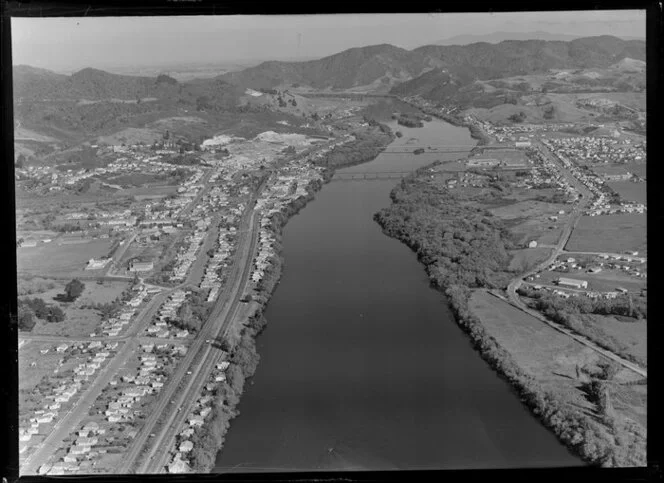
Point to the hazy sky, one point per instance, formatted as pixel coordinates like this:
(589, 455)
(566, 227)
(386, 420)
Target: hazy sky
(73, 43)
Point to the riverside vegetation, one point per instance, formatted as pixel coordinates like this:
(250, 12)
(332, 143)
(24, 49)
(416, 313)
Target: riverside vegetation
(241, 340)
(464, 248)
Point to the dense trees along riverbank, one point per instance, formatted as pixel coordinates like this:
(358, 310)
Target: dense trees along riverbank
(464, 248)
(240, 341)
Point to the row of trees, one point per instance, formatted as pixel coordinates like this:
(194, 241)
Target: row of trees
(464, 247)
(625, 305)
(29, 310)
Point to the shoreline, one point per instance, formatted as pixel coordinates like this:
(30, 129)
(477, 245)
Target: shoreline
(210, 439)
(574, 430)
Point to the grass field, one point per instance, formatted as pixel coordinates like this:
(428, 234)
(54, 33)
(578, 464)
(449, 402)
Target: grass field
(101, 293)
(34, 285)
(638, 169)
(136, 179)
(524, 260)
(551, 357)
(78, 323)
(133, 135)
(630, 191)
(45, 364)
(54, 259)
(633, 335)
(611, 233)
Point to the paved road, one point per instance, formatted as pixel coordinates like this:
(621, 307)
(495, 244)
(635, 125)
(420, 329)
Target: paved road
(157, 458)
(119, 253)
(199, 358)
(69, 422)
(513, 286)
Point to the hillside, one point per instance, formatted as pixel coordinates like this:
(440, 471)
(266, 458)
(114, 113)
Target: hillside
(495, 37)
(510, 58)
(347, 69)
(479, 75)
(94, 102)
(411, 72)
(519, 57)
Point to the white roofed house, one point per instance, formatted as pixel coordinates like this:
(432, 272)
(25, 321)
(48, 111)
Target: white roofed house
(186, 446)
(572, 282)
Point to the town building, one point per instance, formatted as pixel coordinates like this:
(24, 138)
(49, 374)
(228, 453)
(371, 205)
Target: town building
(572, 282)
(481, 162)
(97, 264)
(141, 266)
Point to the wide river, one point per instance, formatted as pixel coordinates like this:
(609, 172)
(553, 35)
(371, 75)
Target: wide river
(362, 364)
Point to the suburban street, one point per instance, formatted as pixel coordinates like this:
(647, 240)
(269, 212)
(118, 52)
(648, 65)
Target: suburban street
(199, 360)
(513, 297)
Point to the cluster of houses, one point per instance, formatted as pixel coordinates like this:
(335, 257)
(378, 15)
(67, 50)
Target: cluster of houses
(466, 180)
(586, 293)
(517, 133)
(168, 311)
(97, 353)
(81, 455)
(202, 408)
(91, 441)
(113, 326)
(597, 186)
(218, 261)
(629, 264)
(596, 149)
(186, 256)
(288, 186)
(429, 106)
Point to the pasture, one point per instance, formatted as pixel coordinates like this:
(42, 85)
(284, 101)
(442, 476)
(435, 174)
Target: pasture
(54, 259)
(609, 233)
(630, 191)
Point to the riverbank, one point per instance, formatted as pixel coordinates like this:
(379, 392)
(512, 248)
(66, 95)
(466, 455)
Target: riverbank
(209, 439)
(474, 257)
(475, 132)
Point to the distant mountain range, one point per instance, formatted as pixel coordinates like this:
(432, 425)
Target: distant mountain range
(496, 37)
(429, 71)
(388, 64)
(350, 68)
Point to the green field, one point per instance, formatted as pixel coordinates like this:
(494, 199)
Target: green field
(524, 260)
(551, 357)
(630, 191)
(634, 334)
(610, 233)
(54, 259)
(638, 169)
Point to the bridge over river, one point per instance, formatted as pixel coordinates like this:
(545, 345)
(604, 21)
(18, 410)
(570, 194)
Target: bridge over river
(429, 149)
(370, 175)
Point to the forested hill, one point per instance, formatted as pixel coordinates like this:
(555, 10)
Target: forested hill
(92, 84)
(32, 84)
(388, 64)
(353, 67)
(520, 57)
(461, 66)
(406, 71)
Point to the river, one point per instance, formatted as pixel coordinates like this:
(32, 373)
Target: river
(362, 364)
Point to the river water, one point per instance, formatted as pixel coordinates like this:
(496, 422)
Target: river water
(362, 364)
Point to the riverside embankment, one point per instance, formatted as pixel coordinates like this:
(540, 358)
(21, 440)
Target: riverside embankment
(362, 364)
(240, 341)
